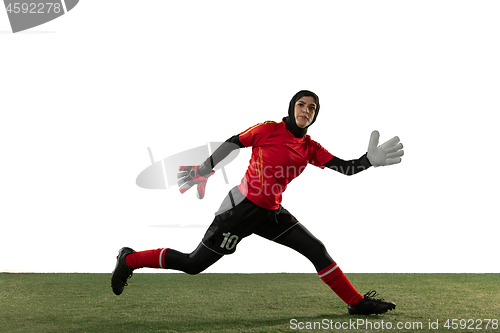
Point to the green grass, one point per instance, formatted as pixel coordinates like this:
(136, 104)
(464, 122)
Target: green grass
(235, 302)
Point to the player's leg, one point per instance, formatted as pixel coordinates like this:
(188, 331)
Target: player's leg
(289, 232)
(235, 220)
(129, 260)
(302, 241)
(191, 263)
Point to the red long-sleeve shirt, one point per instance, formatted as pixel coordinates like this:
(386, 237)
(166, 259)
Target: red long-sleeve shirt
(277, 158)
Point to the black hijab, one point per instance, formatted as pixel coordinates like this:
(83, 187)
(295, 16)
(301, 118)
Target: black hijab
(290, 122)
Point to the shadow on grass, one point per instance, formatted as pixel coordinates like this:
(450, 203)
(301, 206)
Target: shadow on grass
(257, 324)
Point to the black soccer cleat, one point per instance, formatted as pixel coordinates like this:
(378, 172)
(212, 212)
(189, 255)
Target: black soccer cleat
(369, 305)
(122, 272)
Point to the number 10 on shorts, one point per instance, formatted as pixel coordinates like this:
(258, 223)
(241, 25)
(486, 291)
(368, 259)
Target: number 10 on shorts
(229, 241)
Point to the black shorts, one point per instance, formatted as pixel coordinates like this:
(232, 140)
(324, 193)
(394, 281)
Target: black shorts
(238, 217)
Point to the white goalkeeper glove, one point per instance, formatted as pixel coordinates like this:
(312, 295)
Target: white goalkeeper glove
(388, 153)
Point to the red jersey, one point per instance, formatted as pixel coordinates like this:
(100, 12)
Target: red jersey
(277, 158)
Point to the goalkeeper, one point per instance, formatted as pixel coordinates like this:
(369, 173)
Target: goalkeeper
(280, 153)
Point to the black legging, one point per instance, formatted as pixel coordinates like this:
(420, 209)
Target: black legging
(297, 238)
(302, 241)
(193, 263)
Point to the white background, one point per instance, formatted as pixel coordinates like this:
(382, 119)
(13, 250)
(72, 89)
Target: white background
(83, 96)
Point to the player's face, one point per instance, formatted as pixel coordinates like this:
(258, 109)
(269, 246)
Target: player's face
(305, 107)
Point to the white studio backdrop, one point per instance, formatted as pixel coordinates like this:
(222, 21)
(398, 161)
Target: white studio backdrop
(83, 96)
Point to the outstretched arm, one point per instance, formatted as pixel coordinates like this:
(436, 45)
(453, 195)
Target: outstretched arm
(388, 153)
(350, 167)
(219, 154)
(189, 176)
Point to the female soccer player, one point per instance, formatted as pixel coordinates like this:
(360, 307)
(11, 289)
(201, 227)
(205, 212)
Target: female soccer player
(280, 153)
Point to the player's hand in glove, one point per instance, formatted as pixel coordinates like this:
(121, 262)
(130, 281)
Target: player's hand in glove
(188, 176)
(388, 153)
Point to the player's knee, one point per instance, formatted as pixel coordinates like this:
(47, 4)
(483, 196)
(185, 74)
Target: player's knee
(320, 250)
(318, 254)
(314, 249)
